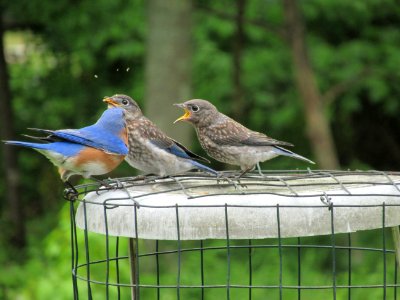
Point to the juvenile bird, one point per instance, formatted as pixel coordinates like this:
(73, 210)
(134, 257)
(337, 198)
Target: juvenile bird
(92, 150)
(228, 141)
(150, 150)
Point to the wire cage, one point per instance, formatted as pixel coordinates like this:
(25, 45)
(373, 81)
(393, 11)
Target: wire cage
(276, 235)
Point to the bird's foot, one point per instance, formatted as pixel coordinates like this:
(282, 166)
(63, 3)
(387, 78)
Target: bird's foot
(108, 185)
(222, 176)
(139, 178)
(240, 183)
(117, 184)
(241, 175)
(70, 192)
(152, 178)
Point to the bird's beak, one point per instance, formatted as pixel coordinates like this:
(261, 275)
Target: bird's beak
(185, 116)
(111, 102)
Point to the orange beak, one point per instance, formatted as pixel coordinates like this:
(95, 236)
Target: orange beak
(111, 102)
(186, 115)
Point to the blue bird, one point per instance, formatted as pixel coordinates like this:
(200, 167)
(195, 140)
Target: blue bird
(92, 150)
(150, 150)
(227, 141)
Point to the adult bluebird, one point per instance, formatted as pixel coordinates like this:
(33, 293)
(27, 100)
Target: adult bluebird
(150, 150)
(228, 141)
(92, 150)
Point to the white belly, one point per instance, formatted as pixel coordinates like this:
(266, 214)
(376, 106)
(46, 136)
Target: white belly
(158, 161)
(248, 157)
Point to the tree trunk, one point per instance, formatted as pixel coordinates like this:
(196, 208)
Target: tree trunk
(13, 209)
(318, 128)
(168, 64)
(238, 41)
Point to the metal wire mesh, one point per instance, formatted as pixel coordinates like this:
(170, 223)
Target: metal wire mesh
(327, 266)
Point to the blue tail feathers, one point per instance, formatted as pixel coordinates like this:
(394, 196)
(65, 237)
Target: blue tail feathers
(64, 148)
(285, 152)
(27, 144)
(203, 167)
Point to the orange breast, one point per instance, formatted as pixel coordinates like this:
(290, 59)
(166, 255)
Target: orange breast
(92, 155)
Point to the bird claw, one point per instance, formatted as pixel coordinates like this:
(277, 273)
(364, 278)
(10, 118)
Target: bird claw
(139, 178)
(107, 185)
(70, 192)
(149, 179)
(221, 176)
(242, 184)
(118, 185)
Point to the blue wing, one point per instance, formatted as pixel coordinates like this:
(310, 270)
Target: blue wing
(105, 134)
(180, 151)
(159, 139)
(92, 138)
(149, 131)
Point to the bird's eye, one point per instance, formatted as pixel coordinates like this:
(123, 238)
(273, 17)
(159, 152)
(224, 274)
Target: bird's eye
(125, 102)
(195, 108)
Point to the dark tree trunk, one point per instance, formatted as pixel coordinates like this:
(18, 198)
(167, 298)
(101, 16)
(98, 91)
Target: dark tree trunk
(13, 209)
(238, 42)
(318, 128)
(168, 64)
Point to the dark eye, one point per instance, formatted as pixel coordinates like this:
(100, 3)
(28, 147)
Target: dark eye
(125, 102)
(195, 108)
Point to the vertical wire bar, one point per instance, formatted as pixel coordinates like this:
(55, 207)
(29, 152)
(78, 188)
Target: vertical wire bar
(384, 249)
(132, 266)
(87, 252)
(250, 270)
(202, 268)
(349, 266)
(333, 251)
(73, 257)
(298, 268)
(133, 246)
(77, 253)
(228, 254)
(158, 269)
(71, 209)
(178, 279)
(137, 278)
(117, 267)
(280, 251)
(107, 253)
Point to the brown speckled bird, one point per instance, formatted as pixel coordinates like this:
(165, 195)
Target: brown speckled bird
(227, 141)
(150, 150)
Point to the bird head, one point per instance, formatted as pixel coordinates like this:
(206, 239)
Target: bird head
(125, 102)
(198, 112)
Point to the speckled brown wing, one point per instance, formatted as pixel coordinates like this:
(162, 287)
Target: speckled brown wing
(231, 133)
(160, 139)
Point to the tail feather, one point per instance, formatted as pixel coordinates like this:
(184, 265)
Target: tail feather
(47, 131)
(39, 138)
(27, 145)
(203, 167)
(285, 152)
